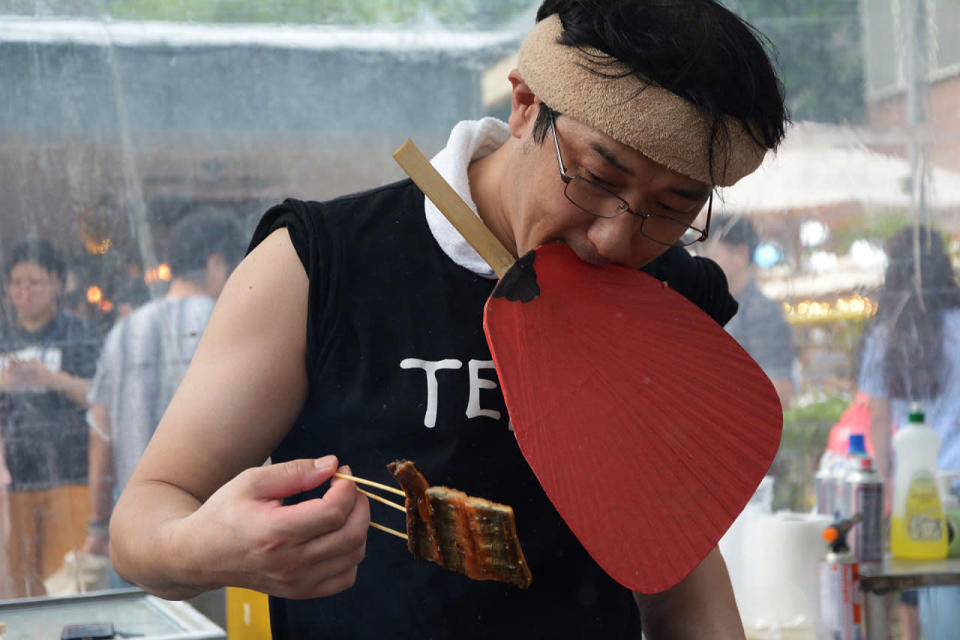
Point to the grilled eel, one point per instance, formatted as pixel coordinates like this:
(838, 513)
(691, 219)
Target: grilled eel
(461, 533)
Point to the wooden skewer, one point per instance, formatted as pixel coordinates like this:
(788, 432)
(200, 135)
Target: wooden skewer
(344, 476)
(388, 530)
(374, 496)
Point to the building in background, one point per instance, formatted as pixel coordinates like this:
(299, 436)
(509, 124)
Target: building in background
(110, 131)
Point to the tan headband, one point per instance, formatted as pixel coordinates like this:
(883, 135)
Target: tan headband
(586, 84)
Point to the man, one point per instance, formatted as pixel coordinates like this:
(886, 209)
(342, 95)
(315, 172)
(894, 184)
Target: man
(759, 325)
(48, 357)
(146, 354)
(371, 294)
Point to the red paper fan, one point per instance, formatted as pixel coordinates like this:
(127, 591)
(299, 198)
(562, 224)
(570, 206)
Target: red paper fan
(647, 425)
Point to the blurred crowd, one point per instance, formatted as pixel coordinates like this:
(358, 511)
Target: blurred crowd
(79, 400)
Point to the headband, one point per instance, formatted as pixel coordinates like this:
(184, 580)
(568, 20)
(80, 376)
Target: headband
(600, 91)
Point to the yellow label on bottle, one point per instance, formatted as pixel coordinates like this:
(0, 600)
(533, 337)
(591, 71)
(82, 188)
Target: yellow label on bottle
(923, 515)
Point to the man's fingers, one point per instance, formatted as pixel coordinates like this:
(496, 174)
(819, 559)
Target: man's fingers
(319, 588)
(340, 505)
(290, 478)
(346, 537)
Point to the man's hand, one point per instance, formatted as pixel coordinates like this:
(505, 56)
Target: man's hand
(96, 544)
(243, 535)
(35, 375)
(26, 374)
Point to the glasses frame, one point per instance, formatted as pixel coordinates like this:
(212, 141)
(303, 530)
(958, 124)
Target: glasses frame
(624, 206)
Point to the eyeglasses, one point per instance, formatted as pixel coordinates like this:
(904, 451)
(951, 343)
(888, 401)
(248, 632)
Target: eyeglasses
(603, 203)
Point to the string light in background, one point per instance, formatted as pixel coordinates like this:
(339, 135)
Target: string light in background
(94, 294)
(97, 247)
(808, 311)
(161, 272)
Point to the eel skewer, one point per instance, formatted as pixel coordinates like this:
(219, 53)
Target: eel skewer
(459, 532)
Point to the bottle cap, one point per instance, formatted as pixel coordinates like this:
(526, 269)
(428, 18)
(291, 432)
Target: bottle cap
(857, 446)
(916, 416)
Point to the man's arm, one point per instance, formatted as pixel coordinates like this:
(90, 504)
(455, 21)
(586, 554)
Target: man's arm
(701, 606)
(74, 387)
(200, 510)
(101, 479)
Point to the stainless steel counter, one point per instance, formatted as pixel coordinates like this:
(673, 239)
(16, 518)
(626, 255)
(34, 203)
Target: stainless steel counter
(131, 611)
(898, 575)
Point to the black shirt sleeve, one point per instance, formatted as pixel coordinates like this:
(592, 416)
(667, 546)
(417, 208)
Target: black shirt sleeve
(295, 216)
(699, 280)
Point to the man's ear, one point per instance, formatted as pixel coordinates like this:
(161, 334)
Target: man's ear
(524, 106)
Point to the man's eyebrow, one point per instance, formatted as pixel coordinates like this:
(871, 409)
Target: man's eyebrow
(610, 157)
(691, 194)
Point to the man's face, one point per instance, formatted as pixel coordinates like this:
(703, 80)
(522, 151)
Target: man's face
(542, 214)
(33, 291)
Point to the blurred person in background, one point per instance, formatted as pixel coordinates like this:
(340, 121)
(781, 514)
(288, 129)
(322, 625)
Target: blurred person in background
(912, 354)
(759, 326)
(146, 354)
(132, 291)
(48, 357)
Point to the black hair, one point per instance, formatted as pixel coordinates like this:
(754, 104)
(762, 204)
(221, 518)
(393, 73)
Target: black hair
(913, 308)
(696, 49)
(735, 230)
(198, 236)
(39, 251)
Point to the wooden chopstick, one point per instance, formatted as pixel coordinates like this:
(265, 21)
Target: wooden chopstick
(388, 530)
(374, 496)
(371, 483)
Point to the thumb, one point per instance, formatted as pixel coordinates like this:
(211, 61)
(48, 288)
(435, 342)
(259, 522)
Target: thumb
(293, 477)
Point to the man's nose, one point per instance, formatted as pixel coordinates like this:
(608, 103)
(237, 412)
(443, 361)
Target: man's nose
(614, 238)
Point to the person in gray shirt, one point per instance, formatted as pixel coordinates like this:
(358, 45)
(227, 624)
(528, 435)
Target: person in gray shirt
(146, 355)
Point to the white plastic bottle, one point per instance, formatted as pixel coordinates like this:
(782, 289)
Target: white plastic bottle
(917, 528)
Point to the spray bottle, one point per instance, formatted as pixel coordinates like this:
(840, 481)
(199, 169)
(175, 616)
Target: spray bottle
(840, 598)
(917, 527)
(824, 485)
(856, 450)
(865, 496)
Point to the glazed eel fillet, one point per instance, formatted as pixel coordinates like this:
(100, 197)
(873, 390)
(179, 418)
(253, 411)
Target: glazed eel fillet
(462, 533)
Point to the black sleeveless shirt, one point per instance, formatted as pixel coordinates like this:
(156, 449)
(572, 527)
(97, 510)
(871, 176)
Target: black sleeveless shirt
(399, 367)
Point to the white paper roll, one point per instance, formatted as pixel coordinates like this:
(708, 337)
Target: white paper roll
(778, 585)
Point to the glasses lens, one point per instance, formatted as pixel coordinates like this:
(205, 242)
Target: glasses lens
(669, 231)
(690, 235)
(593, 198)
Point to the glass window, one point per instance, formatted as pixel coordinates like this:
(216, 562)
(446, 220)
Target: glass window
(141, 142)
